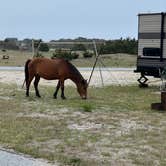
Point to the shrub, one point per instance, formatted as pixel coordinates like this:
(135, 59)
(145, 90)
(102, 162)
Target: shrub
(75, 55)
(38, 55)
(67, 55)
(79, 47)
(44, 47)
(87, 54)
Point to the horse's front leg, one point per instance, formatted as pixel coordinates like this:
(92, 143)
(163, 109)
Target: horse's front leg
(62, 89)
(57, 89)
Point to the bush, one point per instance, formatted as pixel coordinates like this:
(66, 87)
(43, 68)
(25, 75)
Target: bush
(75, 55)
(38, 55)
(67, 55)
(79, 47)
(44, 47)
(87, 54)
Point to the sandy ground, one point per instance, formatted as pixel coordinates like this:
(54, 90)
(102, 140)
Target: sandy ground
(109, 78)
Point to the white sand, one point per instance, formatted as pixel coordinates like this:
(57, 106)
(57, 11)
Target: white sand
(109, 78)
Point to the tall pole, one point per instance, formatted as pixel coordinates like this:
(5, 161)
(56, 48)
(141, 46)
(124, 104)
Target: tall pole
(96, 59)
(97, 55)
(33, 49)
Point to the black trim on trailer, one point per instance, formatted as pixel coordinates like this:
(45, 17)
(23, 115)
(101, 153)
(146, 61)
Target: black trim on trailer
(150, 58)
(144, 14)
(162, 36)
(148, 71)
(150, 35)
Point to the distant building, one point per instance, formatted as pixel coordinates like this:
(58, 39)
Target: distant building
(13, 41)
(26, 45)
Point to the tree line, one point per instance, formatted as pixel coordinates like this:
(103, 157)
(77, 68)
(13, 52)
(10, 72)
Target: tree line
(127, 45)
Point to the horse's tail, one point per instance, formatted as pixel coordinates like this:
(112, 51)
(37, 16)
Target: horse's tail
(26, 72)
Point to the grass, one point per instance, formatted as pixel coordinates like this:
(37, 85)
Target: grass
(110, 60)
(18, 58)
(115, 126)
(87, 107)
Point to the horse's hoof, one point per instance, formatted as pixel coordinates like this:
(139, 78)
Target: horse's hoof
(37, 95)
(55, 97)
(63, 98)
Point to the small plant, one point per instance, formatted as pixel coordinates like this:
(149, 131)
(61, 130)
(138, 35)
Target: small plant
(87, 108)
(75, 161)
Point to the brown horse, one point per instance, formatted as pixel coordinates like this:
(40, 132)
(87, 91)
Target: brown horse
(52, 69)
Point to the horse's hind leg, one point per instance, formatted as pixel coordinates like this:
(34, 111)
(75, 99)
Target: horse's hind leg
(37, 79)
(57, 89)
(28, 82)
(62, 89)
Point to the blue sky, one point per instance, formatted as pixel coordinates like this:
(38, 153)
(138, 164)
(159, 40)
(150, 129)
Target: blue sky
(55, 19)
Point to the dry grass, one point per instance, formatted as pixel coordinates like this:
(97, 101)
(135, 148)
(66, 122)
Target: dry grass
(18, 58)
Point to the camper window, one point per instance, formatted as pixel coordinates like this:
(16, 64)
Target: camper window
(151, 51)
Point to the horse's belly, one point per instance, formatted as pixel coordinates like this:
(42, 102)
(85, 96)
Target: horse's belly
(48, 75)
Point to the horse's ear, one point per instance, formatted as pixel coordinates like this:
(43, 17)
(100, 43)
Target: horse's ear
(84, 82)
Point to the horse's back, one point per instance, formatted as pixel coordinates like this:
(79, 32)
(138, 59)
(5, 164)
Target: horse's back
(50, 68)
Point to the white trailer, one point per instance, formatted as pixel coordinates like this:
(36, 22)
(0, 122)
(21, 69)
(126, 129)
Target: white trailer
(151, 58)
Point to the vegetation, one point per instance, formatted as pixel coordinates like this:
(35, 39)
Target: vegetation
(65, 54)
(18, 58)
(44, 47)
(110, 60)
(79, 47)
(88, 54)
(97, 131)
(128, 46)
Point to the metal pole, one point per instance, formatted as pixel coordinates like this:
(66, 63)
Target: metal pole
(97, 55)
(33, 51)
(92, 70)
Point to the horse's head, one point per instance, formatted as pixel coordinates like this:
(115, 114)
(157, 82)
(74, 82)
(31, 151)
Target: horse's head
(82, 88)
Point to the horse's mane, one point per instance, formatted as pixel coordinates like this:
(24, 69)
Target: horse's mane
(75, 70)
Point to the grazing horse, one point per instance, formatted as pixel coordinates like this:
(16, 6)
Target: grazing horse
(54, 69)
